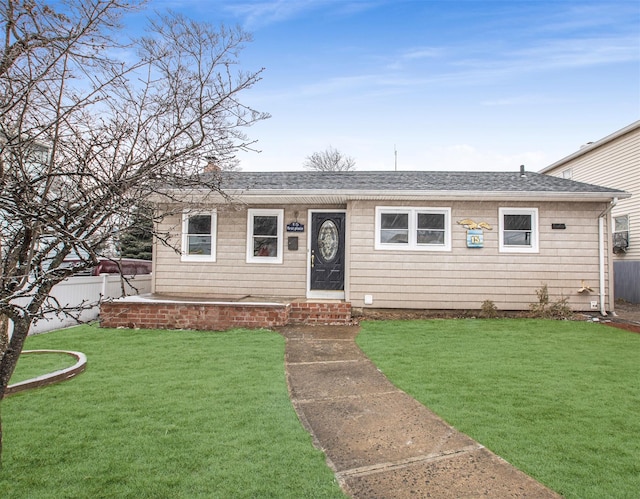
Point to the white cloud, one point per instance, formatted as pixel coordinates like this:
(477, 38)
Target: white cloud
(259, 13)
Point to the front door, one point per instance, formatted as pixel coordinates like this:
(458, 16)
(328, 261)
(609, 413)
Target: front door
(327, 251)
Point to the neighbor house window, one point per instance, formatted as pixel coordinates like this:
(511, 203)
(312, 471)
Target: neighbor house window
(417, 229)
(264, 236)
(199, 236)
(519, 230)
(621, 234)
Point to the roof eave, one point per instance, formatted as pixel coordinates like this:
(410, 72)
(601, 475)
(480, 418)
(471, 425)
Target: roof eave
(595, 145)
(339, 196)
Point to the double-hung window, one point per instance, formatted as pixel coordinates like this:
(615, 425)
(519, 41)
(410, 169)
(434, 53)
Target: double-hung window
(415, 229)
(199, 236)
(518, 230)
(264, 236)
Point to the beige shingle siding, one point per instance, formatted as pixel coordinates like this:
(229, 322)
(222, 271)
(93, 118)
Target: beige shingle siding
(460, 279)
(614, 164)
(465, 277)
(230, 275)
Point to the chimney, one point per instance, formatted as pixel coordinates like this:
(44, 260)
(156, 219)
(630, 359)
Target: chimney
(212, 165)
(523, 174)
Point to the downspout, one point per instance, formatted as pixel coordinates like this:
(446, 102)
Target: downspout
(614, 201)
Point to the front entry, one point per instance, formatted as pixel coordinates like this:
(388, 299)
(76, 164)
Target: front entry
(326, 259)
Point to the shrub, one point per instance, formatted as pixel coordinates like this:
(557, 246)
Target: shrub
(488, 310)
(545, 309)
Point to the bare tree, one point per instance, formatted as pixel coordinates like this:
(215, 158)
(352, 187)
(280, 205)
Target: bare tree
(91, 128)
(330, 160)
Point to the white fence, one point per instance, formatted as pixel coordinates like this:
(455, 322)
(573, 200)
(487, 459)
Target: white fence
(89, 290)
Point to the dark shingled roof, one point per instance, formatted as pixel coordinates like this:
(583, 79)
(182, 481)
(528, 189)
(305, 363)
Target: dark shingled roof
(406, 181)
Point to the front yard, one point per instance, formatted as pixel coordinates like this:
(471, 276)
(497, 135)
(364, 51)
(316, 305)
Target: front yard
(161, 414)
(199, 414)
(559, 400)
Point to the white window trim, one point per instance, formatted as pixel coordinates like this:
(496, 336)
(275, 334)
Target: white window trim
(413, 245)
(184, 257)
(535, 231)
(265, 212)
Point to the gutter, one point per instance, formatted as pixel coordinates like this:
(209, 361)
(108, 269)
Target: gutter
(606, 212)
(292, 196)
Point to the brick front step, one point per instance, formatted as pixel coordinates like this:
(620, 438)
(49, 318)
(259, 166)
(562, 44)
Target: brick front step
(150, 314)
(320, 313)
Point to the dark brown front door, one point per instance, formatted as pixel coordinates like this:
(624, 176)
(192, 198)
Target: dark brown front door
(327, 251)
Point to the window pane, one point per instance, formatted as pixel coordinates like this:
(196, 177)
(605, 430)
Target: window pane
(200, 224)
(394, 228)
(621, 224)
(265, 226)
(199, 245)
(517, 238)
(394, 221)
(517, 222)
(394, 236)
(430, 237)
(431, 221)
(265, 246)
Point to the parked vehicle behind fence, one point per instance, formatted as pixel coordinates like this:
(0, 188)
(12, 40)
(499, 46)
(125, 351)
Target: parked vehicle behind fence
(126, 266)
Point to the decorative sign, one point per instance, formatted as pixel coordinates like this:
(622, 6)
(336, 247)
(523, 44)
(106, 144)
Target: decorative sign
(467, 223)
(295, 227)
(475, 238)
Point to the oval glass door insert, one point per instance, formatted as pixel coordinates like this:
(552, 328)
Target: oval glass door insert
(328, 240)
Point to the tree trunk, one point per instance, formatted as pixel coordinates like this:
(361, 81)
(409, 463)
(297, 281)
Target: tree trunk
(10, 358)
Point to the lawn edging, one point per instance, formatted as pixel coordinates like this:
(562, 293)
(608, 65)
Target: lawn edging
(50, 378)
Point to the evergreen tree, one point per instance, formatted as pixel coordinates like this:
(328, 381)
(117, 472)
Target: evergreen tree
(136, 241)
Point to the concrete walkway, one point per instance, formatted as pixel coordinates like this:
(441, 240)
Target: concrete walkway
(380, 442)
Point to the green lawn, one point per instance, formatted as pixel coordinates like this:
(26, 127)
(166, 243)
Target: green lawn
(560, 400)
(162, 414)
(32, 365)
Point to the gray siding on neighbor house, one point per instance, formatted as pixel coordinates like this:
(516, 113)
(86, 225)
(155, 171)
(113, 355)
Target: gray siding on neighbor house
(627, 280)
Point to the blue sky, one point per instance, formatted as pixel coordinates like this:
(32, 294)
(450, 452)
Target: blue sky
(449, 84)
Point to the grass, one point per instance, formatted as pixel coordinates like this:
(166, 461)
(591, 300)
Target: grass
(162, 414)
(36, 364)
(559, 400)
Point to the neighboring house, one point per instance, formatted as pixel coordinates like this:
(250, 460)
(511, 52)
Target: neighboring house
(614, 161)
(416, 240)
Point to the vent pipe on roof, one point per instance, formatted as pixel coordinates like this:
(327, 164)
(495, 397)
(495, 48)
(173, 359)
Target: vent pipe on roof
(523, 174)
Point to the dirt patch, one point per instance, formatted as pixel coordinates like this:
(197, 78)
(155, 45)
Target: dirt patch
(412, 314)
(634, 328)
(627, 316)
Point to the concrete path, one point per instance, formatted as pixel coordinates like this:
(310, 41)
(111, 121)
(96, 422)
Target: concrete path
(380, 442)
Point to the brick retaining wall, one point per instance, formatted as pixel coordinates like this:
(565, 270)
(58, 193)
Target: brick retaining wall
(219, 316)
